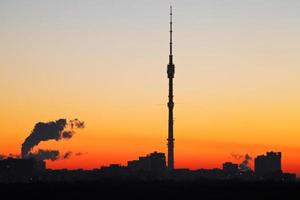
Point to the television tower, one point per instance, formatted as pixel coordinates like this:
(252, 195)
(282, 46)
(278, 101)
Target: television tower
(171, 71)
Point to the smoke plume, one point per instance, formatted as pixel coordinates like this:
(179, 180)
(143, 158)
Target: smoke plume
(75, 123)
(78, 154)
(45, 155)
(67, 134)
(67, 155)
(54, 130)
(244, 166)
(237, 156)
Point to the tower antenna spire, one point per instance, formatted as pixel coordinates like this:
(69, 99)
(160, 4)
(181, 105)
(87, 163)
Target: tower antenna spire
(171, 72)
(171, 31)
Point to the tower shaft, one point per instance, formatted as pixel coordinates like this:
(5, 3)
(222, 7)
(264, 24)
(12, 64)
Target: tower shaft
(171, 72)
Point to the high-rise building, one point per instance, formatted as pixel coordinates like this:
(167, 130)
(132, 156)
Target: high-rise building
(268, 164)
(154, 162)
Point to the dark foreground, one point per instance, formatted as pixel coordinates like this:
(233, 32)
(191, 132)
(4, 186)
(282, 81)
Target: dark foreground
(154, 190)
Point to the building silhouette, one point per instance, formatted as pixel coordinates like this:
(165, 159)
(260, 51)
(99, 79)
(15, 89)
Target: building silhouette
(230, 168)
(268, 167)
(150, 167)
(15, 169)
(154, 162)
(269, 164)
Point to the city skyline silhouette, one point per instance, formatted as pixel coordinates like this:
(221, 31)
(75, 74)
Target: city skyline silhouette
(83, 84)
(236, 79)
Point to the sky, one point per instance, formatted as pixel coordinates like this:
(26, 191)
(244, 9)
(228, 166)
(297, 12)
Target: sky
(104, 61)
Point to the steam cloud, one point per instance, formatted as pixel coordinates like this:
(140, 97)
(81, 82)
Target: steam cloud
(45, 155)
(67, 134)
(237, 156)
(244, 166)
(76, 123)
(54, 130)
(52, 155)
(67, 155)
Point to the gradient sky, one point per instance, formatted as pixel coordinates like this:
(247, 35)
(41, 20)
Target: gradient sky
(236, 82)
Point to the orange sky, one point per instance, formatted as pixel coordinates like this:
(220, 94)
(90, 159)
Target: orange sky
(236, 81)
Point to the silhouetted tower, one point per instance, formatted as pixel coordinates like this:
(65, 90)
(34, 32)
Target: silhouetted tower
(171, 71)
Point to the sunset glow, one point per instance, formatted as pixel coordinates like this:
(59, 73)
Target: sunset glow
(236, 82)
